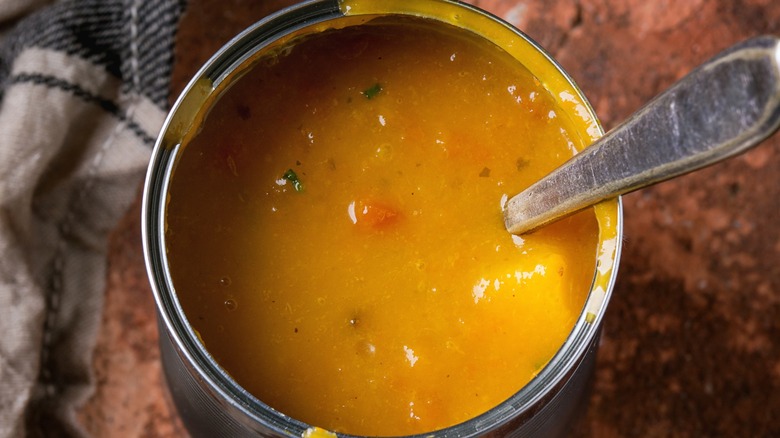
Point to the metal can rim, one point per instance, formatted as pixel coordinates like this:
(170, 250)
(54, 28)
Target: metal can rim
(188, 106)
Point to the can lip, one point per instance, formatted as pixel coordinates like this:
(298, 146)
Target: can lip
(197, 93)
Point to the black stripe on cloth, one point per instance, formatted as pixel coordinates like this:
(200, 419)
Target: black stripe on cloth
(107, 105)
(122, 36)
(155, 23)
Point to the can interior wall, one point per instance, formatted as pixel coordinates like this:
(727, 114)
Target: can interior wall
(209, 401)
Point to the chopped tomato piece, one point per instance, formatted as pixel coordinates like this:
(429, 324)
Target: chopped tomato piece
(372, 214)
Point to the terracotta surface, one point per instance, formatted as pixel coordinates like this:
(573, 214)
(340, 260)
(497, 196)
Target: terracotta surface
(691, 341)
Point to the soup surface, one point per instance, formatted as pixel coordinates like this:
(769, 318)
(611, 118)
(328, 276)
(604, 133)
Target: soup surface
(335, 232)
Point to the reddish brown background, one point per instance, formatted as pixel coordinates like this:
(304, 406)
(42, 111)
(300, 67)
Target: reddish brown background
(691, 342)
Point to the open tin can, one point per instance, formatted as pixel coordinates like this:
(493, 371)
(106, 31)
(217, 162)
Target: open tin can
(211, 403)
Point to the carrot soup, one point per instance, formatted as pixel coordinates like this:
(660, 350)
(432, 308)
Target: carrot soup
(335, 232)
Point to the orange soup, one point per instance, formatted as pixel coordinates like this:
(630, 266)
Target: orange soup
(335, 231)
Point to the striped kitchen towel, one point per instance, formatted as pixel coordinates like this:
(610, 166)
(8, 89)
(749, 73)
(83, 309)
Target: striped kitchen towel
(83, 92)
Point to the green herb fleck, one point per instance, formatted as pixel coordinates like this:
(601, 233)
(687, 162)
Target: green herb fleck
(291, 176)
(371, 92)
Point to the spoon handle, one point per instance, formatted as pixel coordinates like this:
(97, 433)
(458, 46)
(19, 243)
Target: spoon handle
(721, 109)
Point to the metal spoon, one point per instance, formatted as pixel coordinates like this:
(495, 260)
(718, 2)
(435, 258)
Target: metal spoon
(724, 107)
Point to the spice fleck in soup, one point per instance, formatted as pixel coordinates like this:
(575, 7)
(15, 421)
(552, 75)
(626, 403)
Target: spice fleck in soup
(335, 231)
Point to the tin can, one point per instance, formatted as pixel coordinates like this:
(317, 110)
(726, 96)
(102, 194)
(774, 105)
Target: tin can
(208, 400)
